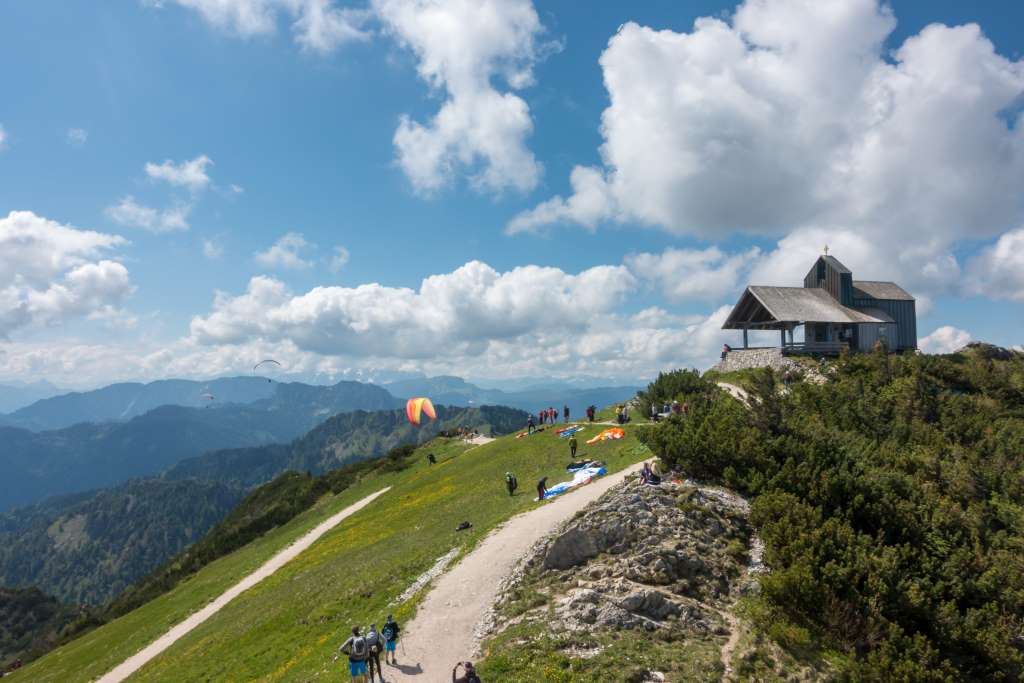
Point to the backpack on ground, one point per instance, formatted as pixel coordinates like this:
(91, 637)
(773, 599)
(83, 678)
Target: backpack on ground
(360, 650)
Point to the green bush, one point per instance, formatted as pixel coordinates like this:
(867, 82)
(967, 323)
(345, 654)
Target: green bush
(890, 503)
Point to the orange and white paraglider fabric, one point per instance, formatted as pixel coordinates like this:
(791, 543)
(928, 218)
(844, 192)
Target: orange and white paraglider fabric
(613, 433)
(416, 408)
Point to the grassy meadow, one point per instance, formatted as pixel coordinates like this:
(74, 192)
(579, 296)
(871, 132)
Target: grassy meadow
(289, 626)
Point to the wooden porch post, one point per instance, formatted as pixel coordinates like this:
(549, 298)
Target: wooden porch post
(783, 333)
(744, 337)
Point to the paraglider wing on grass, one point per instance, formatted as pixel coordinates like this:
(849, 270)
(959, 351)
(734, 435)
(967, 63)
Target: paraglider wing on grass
(613, 433)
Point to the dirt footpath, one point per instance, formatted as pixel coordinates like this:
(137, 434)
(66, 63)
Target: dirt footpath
(442, 633)
(141, 658)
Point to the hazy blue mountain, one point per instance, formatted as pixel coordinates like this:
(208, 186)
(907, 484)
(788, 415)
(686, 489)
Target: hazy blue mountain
(456, 391)
(88, 456)
(87, 548)
(14, 395)
(130, 399)
(341, 439)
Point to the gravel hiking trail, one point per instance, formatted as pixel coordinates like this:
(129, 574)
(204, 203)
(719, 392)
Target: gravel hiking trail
(141, 658)
(442, 632)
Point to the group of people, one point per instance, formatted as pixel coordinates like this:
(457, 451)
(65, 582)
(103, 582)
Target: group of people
(364, 651)
(622, 414)
(591, 412)
(666, 409)
(550, 415)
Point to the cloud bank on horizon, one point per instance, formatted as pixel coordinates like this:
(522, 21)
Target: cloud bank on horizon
(790, 123)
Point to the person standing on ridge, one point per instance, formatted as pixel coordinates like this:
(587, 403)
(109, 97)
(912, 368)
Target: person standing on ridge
(390, 633)
(565, 413)
(573, 444)
(376, 642)
(357, 650)
(530, 426)
(510, 483)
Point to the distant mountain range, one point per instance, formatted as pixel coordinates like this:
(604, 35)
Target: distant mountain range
(129, 399)
(89, 455)
(14, 395)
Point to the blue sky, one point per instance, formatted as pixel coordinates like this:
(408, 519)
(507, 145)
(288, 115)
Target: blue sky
(720, 166)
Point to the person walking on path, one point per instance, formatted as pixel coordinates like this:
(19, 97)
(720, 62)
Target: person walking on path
(468, 675)
(565, 413)
(390, 633)
(542, 488)
(573, 445)
(358, 651)
(510, 483)
(376, 642)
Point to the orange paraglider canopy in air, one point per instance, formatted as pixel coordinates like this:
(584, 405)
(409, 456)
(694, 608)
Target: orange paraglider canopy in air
(415, 408)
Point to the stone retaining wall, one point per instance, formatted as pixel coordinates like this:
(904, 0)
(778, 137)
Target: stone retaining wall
(742, 359)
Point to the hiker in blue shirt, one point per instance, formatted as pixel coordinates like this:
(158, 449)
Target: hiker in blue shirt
(390, 633)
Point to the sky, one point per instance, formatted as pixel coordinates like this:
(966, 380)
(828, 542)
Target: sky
(490, 188)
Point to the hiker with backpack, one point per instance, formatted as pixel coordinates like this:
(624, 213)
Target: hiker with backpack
(468, 675)
(511, 484)
(376, 642)
(358, 651)
(573, 444)
(390, 633)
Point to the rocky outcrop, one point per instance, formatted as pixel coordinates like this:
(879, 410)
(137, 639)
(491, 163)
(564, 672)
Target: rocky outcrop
(644, 557)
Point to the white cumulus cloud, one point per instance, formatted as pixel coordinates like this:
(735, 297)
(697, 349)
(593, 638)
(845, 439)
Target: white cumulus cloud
(998, 271)
(130, 213)
(463, 47)
(945, 339)
(793, 115)
(318, 25)
(190, 174)
(684, 274)
(51, 272)
(286, 253)
(458, 314)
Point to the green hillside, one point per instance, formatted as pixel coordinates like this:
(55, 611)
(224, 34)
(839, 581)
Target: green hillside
(891, 506)
(88, 548)
(289, 626)
(343, 437)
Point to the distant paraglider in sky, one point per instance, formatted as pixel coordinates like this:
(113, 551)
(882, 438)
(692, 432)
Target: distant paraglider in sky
(415, 408)
(208, 398)
(264, 365)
